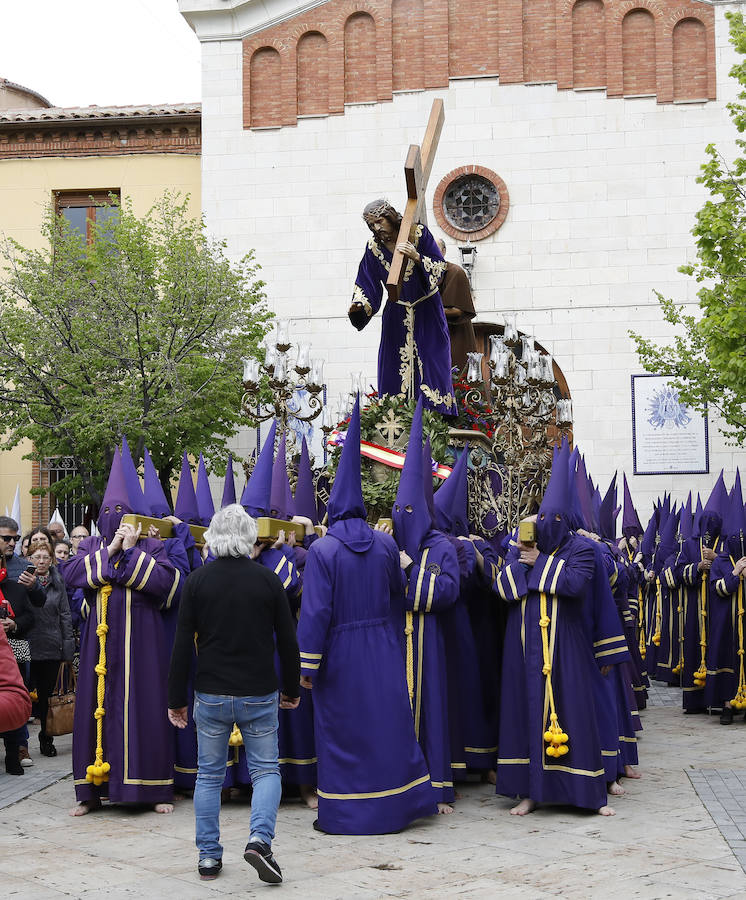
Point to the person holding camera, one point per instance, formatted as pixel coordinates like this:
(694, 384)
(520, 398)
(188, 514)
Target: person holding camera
(50, 640)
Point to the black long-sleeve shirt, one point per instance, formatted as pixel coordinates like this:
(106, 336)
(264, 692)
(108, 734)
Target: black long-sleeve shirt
(237, 609)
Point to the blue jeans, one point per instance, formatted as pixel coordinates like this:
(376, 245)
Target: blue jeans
(256, 718)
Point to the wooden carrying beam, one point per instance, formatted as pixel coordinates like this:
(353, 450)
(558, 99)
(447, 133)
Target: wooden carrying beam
(165, 527)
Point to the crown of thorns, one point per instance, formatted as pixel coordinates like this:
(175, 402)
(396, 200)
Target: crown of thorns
(376, 209)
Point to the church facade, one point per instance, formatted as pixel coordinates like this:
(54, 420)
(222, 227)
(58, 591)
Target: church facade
(585, 122)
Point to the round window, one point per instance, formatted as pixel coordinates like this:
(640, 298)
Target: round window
(471, 203)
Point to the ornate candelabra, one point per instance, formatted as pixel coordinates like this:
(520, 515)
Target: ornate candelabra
(292, 375)
(528, 416)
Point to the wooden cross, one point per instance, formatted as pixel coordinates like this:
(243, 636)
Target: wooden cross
(417, 170)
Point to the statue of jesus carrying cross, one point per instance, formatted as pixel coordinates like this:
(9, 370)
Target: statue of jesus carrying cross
(414, 356)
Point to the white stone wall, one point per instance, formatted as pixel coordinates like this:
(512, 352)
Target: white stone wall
(603, 198)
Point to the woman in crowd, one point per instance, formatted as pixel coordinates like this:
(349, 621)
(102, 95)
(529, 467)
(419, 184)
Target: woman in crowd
(62, 550)
(51, 638)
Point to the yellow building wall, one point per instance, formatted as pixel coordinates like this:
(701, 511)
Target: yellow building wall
(26, 189)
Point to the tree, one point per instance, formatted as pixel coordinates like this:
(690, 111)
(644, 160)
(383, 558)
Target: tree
(707, 360)
(140, 332)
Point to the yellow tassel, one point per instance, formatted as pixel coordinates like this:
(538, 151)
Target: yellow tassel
(236, 738)
(554, 736)
(98, 772)
(739, 701)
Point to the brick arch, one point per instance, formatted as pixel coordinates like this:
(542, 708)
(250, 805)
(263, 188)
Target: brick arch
(588, 43)
(265, 83)
(618, 12)
(639, 68)
(359, 6)
(312, 72)
(408, 44)
(360, 58)
(689, 43)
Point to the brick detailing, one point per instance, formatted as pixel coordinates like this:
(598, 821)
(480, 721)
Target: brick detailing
(266, 106)
(408, 45)
(689, 60)
(588, 44)
(46, 139)
(313, 74)
(443, 186)
(359, 51)
(360, 59)
(539, 44)
(638, 52)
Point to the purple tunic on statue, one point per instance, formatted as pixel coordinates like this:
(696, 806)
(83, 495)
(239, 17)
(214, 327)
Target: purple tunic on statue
(523, 768)
(137, 739)
(372, 776)
(415, 349)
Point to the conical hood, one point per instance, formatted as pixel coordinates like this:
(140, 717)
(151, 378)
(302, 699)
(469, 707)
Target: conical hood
(205, 506)
(281, 504)
(134, 488)
(734, 524)
(711, 520)
(346, 496)
(583, 491)
(631, 526)
(255, 497)
(116, 500)
(606, 516)
(229, 486)
(412, 518)
(305, 494)
(186, 500)
(155, 498)
(647, 544)
(451, 499)
(553, 522)
(427, 476)
(572, 461)
(668, 543)
(685, 519)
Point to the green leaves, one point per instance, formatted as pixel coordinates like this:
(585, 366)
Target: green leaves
(141, 332)
(707, 360)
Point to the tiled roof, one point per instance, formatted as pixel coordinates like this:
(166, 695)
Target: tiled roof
(88, 113)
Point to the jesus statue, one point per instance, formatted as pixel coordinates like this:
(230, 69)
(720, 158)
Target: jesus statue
(414, 356)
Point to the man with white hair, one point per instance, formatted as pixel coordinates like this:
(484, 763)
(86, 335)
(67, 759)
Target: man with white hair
(237, 609)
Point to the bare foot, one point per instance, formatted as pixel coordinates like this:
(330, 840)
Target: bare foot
(492, 776)
(444, 809)
(309, 796)
(615, 789)
(82, 809)
(524, 807)
(164, 808)
(606, 811)
(630, 772)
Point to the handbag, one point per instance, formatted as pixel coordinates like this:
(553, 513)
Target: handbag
(21, 649)
(62, 702)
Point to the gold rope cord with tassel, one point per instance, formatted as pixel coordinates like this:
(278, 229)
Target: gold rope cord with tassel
(641, 623)
(409, 630)
(700, 676)
(554, 736)
(739, 701)
(656, 639)
(679, 667)
(236, 738)
(98, 771)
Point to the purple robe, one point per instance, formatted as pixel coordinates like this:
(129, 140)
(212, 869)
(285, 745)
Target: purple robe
(372, 776)
(523, 768)
(723, 663)
(415, 350)
(137, 740)
(432, 588)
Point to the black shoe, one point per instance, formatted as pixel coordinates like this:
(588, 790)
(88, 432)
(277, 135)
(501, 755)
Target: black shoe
(259, 855)
(726, 716)
(46, 746)
(209, 868)
(12, 762)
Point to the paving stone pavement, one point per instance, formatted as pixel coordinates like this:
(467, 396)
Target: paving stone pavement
(663, 842)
